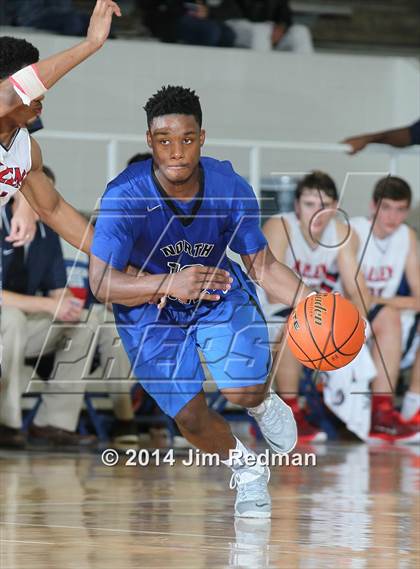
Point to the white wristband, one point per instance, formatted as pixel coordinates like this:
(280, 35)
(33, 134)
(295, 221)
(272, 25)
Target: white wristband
(27, 84)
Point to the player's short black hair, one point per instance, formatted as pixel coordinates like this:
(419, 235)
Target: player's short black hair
(15, 54)
(392, 188)
(172, 100)
(140, 157)
(317, 180)
(49, 173)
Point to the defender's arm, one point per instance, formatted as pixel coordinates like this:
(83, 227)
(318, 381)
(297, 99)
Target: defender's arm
(52, 208)
(48, 71)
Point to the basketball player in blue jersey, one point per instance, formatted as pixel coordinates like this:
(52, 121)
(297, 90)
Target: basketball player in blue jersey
(174, 217)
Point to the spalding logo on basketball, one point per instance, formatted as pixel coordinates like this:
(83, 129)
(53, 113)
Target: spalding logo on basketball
(325, 331)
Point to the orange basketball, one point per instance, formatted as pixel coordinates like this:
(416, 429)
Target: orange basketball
(325, 331)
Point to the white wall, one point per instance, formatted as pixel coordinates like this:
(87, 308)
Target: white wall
(275, 96)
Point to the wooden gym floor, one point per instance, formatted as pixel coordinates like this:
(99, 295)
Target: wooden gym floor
(357, 508)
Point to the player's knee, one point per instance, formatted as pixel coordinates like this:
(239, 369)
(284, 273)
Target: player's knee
(388, 320)
(13, 319)
(300, 32)
(301, 39)
(191, 421)
(248, 397)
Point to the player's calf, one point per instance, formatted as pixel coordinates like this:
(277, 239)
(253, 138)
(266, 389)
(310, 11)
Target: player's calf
(209, 432)
(386, 349)
(204, 428)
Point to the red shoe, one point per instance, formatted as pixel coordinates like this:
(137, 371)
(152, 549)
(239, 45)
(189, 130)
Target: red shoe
(388, 425)
(307, 433)
(414, 421)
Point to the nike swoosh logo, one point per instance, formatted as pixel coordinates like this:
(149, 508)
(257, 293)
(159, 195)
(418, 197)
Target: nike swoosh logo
(152, 208)
(262, 505)
(8, 252)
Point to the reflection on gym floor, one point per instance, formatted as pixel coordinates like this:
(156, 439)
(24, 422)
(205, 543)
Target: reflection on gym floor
(357, 508)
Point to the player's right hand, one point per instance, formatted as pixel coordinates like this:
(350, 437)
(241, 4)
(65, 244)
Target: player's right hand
(100, 21)
(191, 283)
(68, 309)
(22, 227)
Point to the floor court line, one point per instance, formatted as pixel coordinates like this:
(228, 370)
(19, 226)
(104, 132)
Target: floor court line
(148, 532)
(28, 542)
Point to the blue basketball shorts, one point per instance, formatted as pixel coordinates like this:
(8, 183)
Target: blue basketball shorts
(163, 348)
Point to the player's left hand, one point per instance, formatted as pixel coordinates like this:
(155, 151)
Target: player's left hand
(22, 227)
(100, 21)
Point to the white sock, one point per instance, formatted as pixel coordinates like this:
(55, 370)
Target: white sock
(411, 404)
(259, 409)
(235, 462)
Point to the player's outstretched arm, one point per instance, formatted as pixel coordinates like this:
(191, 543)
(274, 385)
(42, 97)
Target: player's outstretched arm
(279, 282)
(398, 137)
(52, 208)
(112, 286)
(50, 70)
(31, 80)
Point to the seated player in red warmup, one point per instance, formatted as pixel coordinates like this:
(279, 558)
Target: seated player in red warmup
(311, 241)
(388, 252)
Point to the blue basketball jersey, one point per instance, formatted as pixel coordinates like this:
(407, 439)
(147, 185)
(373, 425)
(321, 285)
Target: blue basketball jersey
(139, 224)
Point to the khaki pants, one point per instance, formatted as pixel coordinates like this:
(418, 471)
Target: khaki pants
(29, 335)
(114, 365)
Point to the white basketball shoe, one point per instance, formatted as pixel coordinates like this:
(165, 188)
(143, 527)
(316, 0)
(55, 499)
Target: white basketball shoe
(252, 499)
(277, 423)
